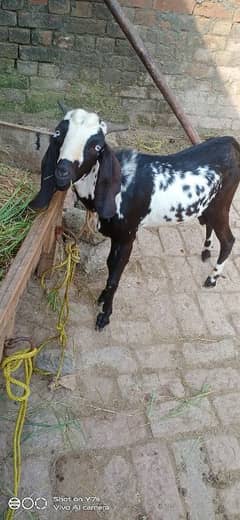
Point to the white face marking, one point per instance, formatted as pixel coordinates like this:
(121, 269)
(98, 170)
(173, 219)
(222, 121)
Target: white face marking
(82, 125)
(85, 187)
(186, 189)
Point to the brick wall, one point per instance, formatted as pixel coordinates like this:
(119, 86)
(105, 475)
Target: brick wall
(73, 50)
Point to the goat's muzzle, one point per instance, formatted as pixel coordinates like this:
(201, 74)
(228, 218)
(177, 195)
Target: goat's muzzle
(63, 174)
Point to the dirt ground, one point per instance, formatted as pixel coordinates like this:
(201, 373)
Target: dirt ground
(151, 427)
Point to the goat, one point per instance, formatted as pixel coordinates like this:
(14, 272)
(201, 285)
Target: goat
(128, 189)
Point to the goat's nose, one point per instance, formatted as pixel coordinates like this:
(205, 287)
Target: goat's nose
(63, 174)
(62, 171)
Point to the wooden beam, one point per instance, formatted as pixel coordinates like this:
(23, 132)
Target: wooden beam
(25, 128)
(40, 239)
(138, 45)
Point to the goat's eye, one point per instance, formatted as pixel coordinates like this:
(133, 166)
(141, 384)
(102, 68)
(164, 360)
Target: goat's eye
(57, 133)
(97, 147)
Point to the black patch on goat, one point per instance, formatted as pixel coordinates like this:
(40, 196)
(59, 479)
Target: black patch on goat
(168, 177)
(48, 166)
(180, 213)
(209, 177)
(108, 184)
(92, 142)
(193, 209)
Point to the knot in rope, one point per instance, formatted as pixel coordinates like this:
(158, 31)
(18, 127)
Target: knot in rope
(73, 251)
(10, 365)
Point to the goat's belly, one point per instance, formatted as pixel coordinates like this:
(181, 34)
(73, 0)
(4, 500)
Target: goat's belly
(183, 200)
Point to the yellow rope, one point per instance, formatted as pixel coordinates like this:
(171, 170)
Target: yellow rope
(12, 363)
(89, 225)
(73, 258)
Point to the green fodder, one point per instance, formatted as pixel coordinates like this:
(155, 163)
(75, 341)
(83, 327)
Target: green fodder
(16, 191)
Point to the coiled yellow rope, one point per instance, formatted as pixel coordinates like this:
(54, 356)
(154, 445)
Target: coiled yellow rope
(27, 357)
(10, 365)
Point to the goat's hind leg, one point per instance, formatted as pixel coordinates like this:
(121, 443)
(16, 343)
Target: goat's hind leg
(226, 240)
(206, 253)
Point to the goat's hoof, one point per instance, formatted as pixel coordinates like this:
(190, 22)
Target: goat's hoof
(210, 282)
(102, 321)
(101, 298)
(205, 255)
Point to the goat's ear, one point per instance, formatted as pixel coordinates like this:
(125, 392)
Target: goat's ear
(48, 183)
(108, 183)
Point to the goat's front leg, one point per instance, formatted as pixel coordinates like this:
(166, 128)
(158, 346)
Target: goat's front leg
(117, 260)
(115, 246)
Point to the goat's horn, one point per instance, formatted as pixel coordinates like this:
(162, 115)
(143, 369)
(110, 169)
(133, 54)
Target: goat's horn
(63, 107)
(115, 127)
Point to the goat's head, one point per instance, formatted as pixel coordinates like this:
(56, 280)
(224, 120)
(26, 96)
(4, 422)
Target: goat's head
(80, 138)
(78, 144)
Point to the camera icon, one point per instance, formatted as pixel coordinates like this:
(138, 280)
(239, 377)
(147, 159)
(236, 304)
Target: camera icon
(14, 503)
(27, 503)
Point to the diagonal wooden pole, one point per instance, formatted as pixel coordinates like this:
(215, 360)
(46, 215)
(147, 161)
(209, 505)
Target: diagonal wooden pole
(138, 45)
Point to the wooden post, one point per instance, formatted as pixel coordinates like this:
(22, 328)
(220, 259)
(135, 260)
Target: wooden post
(138, 45)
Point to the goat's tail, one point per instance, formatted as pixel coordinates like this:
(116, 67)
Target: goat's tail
(235, 162)
(236, 144)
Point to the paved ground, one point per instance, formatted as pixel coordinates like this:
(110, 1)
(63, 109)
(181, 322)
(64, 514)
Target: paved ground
(152, 429)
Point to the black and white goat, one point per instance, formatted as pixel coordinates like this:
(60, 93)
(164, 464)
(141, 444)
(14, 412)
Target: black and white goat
(128, 189)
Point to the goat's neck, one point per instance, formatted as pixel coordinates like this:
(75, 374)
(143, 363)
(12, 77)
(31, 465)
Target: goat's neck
(85, 187)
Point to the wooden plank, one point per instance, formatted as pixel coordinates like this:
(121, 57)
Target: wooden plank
(40, 237)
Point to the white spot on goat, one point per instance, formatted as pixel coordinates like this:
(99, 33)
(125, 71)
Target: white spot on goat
(85, 186)
(128, 171)
(118, 202)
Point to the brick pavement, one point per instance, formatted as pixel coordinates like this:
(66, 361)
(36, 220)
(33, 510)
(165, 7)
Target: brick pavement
(133, 432)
